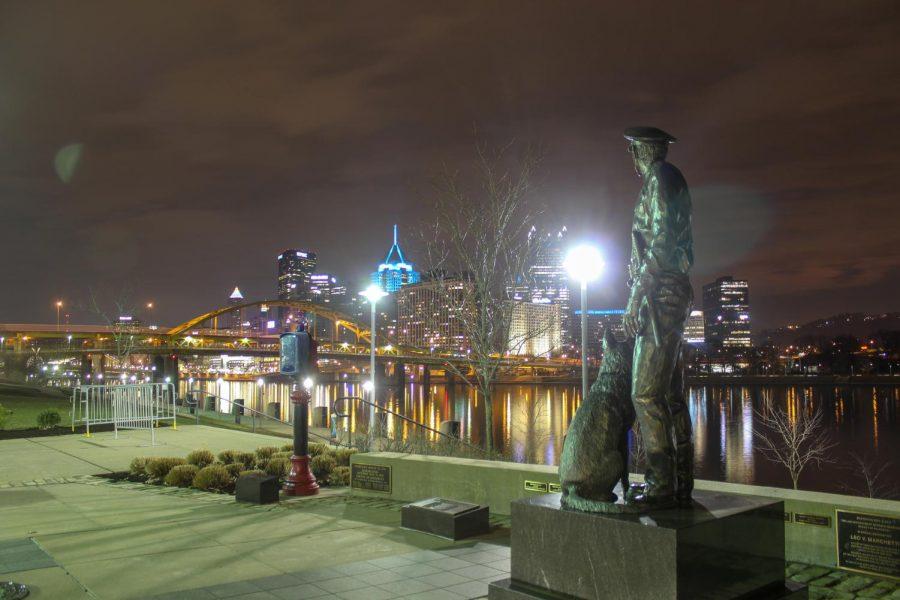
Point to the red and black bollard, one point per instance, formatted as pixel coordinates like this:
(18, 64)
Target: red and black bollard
(300, 481)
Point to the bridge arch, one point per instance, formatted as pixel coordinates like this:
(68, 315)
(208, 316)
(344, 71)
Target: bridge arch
(338, 318)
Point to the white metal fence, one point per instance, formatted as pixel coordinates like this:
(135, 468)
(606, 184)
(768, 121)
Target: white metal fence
(125, 406)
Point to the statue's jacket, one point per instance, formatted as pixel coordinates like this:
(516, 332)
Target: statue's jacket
(661, 243)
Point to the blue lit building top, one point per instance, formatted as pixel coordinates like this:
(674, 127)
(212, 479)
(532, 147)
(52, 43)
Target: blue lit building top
(603, 313)
(395, 272)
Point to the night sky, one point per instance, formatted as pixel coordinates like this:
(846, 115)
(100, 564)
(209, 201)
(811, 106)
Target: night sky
(176, 147)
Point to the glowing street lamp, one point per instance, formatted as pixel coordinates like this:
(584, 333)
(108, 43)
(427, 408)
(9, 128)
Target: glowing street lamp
(373, 294)
(584, 263)
(58, 307)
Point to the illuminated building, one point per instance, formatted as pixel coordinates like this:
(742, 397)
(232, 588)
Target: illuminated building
(395, 272)
(726, 310)
(428, 315)
(295, 267)
(234, 317)
(534, 329)
(325, 289)
(598, 321)
(694, 330)
(548, 281)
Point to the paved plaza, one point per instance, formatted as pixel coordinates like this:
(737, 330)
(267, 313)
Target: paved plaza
(70, 534)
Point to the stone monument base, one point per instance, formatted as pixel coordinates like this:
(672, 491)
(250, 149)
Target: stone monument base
(727, 547)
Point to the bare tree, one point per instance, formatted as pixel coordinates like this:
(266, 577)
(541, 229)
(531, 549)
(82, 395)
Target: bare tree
(122, 333)
(479, 246)
(872, 474)
(793, 440)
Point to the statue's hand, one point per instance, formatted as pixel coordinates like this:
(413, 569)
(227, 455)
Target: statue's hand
(631, 319)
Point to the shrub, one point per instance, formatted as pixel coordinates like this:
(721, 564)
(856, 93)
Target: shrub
(234, 469)
(157, 468)
(48, 419)
(248, 459)
(252, 472)
(201, 458)
(214, 478)
(317, 449)
(340, 476)
(287, 448)
(182, 475)
(265, 452)
(322, 466)
(138, 468)
(226, 457)
(342, 456)
(278, 467)
(282, 455)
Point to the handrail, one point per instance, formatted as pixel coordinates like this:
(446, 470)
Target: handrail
(399, 416)
(253, 411)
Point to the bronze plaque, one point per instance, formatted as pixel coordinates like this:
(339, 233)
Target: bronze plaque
(868, 543)
(373, 478)
(555, 488)
(535, 486)
(812, 520)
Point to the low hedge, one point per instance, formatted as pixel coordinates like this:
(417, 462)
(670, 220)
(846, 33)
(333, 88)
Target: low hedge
(138, 468)
(278, 467)
(48, 419)
(214, 478)
(157, 468)
(340, 476)
(265, 452)
(181, 475)
(201, 458)
(322, 466)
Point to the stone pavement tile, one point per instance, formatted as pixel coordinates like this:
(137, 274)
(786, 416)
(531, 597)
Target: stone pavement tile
(448, 563)
(340, 584)
(854, 584)
(480, 572)
(809, 573)
(300, 592)
(366, 593)
(51, 582)
(496, 548)
(470, 589)
(379, 577)
(433, 595)
(262, 595)
(315, 575)
(389, 562)
(459, 551)
(197, 594)
(235, 588)
(405, 587)
(276, 581)
(482, 557)
(500, 565)
(423, 556)
(442, 580)
(419, 570)
(356, 568)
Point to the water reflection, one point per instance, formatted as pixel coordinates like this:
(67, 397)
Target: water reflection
(529, 421)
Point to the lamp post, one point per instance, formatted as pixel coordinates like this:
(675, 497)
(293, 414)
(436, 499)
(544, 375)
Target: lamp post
(373, 294)
(585, 264)
(58, 307)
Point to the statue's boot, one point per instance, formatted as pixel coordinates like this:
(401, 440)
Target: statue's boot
(658, 489)
(684, 474)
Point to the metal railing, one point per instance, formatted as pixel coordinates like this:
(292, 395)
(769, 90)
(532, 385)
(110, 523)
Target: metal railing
(257, 418)
(125, 406)
(377, 407)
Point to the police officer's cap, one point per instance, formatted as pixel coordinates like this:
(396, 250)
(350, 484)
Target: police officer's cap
(648, 134)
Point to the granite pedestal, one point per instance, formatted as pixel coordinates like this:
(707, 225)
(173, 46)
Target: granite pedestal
(726, 547)
(446, 518)
(258, 489)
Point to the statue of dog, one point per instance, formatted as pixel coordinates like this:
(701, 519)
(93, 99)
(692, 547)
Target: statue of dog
(595, 450)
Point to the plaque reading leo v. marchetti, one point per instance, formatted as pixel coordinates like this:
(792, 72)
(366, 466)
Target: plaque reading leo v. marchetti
(868, 543)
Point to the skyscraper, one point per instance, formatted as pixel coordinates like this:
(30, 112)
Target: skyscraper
(325, 289)
(395, 272)
(428, 315)
(295, 267)
(598, 321)
(726, 312)
(694, 329)
(534, 329)
(548, 282)
(236, 298)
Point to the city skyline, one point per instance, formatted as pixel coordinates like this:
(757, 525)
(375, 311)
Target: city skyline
(230, 152)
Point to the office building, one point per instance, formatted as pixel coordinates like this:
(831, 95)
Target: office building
(325, 289)
(428, 315)
(534, 329)
(694, 329)
(598, 321)
(395, 272)
(234, 320)
(295, 267)
(726, 311)
(548, 281)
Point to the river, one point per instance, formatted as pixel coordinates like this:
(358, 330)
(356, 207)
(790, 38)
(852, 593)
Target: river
(530, 422)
